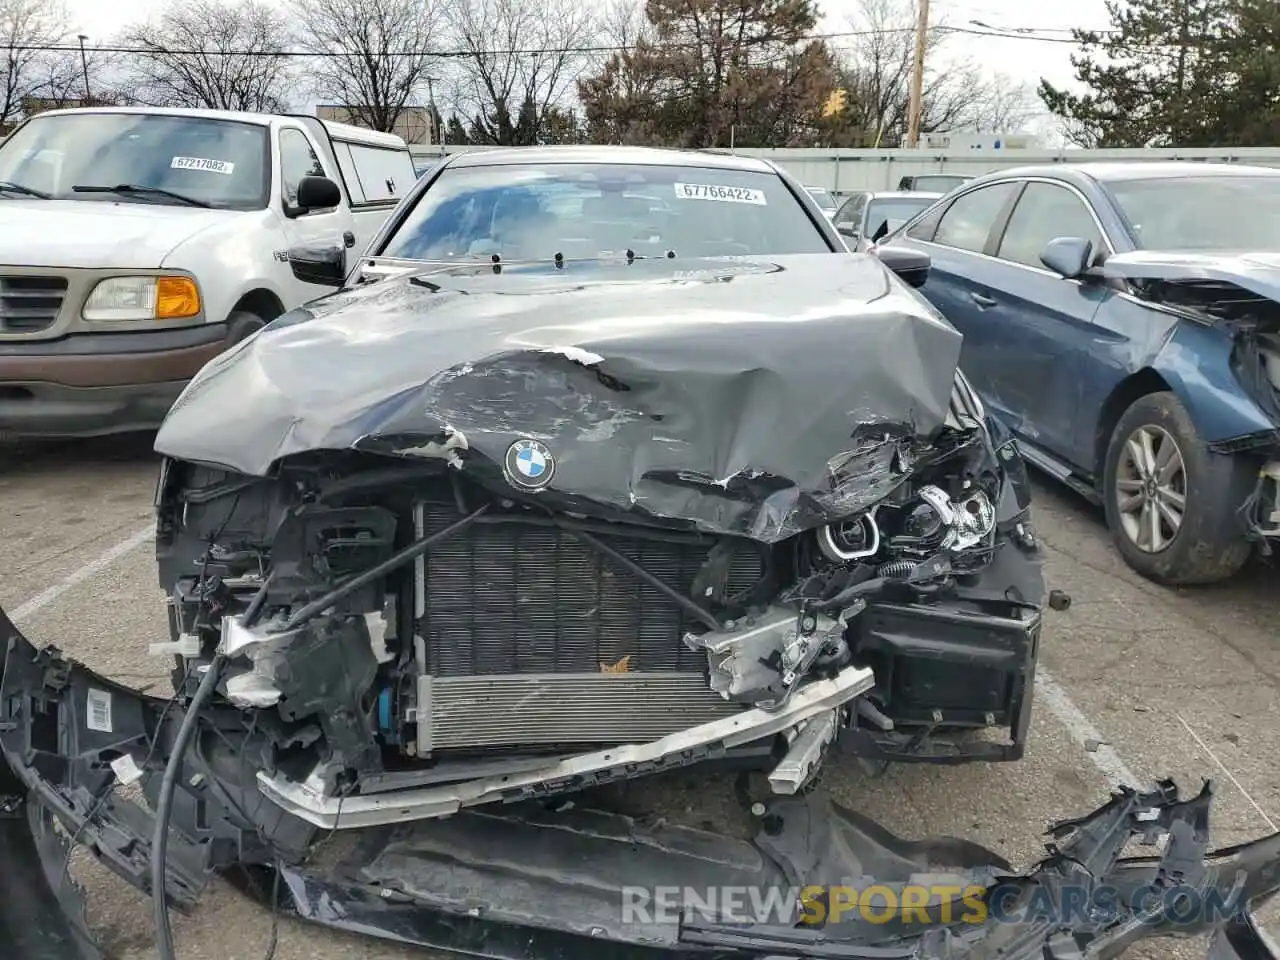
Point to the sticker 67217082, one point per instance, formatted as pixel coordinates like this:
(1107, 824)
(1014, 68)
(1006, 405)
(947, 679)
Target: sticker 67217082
(225, 167)
(725, 194)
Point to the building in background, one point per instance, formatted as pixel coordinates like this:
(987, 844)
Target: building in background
(978, 141)
(413, 126)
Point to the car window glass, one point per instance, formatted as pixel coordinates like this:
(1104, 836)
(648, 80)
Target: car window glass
(968, 221)
(1235, 212)
(851, 212)
(592, 210)
(890, 213)
(1044, 212)
(297, 160)
(926, 225)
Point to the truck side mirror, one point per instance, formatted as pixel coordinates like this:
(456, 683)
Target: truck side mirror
(317, 193)
(326, 266)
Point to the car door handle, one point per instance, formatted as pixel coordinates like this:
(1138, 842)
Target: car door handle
(348, 238)
(982, 300)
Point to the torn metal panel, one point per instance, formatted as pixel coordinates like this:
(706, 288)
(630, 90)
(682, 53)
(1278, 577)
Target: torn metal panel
(1255, 272)
(763, 401)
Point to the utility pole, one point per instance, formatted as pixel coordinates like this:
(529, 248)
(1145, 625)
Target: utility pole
(436, 129)
(917, 75)
(84, 66)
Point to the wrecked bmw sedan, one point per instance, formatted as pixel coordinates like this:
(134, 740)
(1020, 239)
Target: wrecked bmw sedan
(470, 531)
(594, 467)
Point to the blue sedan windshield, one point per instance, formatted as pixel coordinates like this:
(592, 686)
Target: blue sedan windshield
(1202, 213)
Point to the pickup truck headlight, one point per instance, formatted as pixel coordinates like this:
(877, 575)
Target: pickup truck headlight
(143, 298)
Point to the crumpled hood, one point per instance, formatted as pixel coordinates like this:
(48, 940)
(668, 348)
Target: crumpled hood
(1258, 271)
(95, 234)
(743, 396)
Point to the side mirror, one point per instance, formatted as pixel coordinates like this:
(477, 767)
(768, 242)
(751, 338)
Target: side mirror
(318, 193)
(846, 228)
(911, 266)
(326, 266)
(1068, 257)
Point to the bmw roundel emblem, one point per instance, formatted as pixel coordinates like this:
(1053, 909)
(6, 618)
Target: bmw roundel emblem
(530, 464)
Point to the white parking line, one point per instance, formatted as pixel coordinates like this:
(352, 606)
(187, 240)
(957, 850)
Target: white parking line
(1048, 692)
(52, 593)
(1052, 695)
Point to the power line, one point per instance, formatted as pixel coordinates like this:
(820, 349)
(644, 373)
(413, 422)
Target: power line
(1023, 33)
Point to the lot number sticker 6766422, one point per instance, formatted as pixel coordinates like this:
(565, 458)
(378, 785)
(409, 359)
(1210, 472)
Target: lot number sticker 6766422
(710, 191)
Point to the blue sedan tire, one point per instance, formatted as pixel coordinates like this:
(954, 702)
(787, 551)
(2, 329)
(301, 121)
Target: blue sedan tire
(1172, 503)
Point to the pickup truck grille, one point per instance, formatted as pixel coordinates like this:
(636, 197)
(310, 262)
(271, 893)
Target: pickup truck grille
(30, 304)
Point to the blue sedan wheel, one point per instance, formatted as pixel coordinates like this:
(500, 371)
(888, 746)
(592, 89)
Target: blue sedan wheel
(1172, 504)
(1151, 488)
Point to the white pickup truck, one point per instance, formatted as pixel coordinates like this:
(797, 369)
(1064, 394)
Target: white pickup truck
(136, 244)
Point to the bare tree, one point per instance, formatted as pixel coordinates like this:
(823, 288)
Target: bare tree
(957, 94)
(64, 79)
(624, 24)
(375, 55)
(206, 53)
(27, 29)
(521, 59)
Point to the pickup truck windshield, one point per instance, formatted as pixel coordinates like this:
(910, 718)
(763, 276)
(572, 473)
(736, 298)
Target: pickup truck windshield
(219, 163)
(587, 211)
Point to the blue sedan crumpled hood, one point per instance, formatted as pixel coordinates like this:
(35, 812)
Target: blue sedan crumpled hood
(1258, 272)
(744, 396)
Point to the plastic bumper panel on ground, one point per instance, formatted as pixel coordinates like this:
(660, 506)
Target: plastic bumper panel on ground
(41, 912)
(537, 881)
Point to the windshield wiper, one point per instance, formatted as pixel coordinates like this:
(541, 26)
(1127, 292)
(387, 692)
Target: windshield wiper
(138, 188)
(6, 185)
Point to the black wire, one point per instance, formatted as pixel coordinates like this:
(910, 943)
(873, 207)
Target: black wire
(164, 808)
(275, 914)
(1026, 33)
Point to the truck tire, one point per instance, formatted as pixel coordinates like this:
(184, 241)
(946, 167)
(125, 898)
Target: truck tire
(1171, 503)
(242, 324)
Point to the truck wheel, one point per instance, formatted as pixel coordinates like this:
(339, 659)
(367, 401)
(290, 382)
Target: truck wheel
(1171, 503)
(242, 324)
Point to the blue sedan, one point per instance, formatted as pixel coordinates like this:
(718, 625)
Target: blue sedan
(1123, 319)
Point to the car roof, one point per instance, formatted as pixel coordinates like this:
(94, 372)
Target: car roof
(633, 156)
(904, 194)
(1103, 171)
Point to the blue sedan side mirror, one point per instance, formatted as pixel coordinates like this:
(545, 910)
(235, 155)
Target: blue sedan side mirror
(1068, 256)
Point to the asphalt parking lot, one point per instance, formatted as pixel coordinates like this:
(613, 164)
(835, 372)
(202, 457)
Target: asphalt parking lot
(1137, 681)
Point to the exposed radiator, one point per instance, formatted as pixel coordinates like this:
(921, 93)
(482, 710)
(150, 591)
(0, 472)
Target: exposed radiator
(512, 599)
(561, 709)
(533, 638)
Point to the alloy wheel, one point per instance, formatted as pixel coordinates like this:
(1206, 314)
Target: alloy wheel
(1151, 488)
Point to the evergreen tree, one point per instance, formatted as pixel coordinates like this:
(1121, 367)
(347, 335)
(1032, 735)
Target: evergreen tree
(1160, 77)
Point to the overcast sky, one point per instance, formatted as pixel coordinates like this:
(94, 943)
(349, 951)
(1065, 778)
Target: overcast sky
(1024, 59)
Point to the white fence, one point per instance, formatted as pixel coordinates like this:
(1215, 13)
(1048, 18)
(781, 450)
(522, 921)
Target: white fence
(843, 171)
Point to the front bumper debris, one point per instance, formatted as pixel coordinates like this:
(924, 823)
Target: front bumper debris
(816, 704)
(532, 880)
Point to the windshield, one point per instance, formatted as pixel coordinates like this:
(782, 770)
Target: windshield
(1202, 213)
(895, 211)
(589, 211)
(218, 162)
(825, 200)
